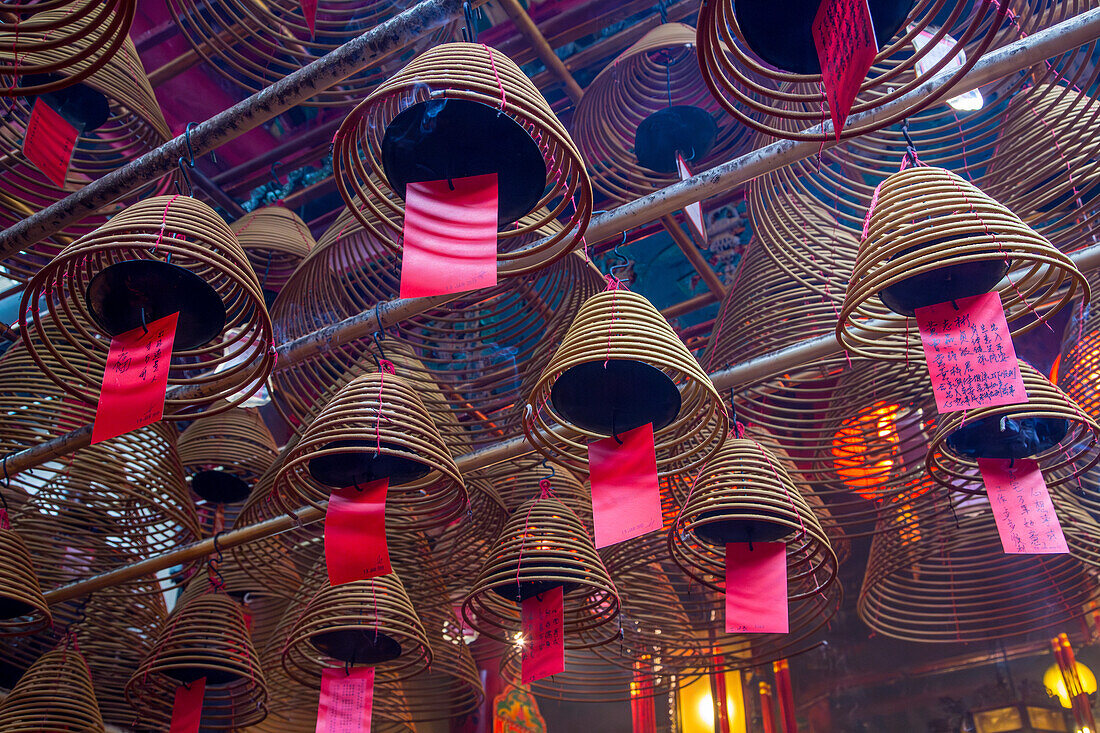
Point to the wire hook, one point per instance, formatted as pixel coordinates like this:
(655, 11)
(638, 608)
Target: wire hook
(469, 31)
(910, 147)
(623, 260)
(187, 139)
(185, 177)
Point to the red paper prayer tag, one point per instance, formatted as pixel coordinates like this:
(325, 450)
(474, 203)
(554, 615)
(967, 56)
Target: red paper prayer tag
(1022, 507)
(49, 142)
(756, 588)
(187, 709)
(693, 212)
(135, 380)
(846, 48)
(347, 700)
(309, 10)
(355, 533)
(626, 497)
(543, 620)
(450, 237)
(970, 355)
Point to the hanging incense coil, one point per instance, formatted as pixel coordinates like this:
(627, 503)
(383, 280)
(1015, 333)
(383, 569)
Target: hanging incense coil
(376, 427)
(223, 455)
(1049, 427)
(114, 111)
(1079, 365)
(767, 75)
(49, 46)
(159, 256)
(1045, 166)
(744, 494)
(255, 45)
(472, 360)
(276, 241)
(23, 610)
(55, 694)
(544, 546)
(947, 579)
(204, 637)
(934, 237)
(468, 91)
(646, 106)
(619, 367)
(364, 622)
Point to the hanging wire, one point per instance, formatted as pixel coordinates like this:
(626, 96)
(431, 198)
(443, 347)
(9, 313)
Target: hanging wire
(213, 564)
(910, 148)
(623, 261)
(469, 30)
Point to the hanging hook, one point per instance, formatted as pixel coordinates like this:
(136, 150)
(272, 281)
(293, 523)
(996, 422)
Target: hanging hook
(623, 260)
(214, 562)
(546, 465)
(910, 147)
(469, 31)
(190, 150)
(663, 10)
(185, 177)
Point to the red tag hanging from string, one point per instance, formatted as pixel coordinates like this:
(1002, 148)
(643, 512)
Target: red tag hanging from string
(49, 142)
(309, 10)
(135, 380)
(347, 700)
(355, 533)
(846, 48)
(970, 355)
(756, 588)
(643, 711)
(450, 236)
(543, 618)
(1021, 504)
(187, 709)
(626, 497)
(692, 212)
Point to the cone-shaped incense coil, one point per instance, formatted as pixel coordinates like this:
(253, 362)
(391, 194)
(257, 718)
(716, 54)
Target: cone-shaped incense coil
(163, 255)
(362, 623)
(55, 694)
(223, 455)
(619, 367)
(376, 427)
(62, 45)
(275, 240)
(404, 127)
(23, 610)
(1049, 427)
(744, 494)
(933, 237)
(204, 637)
(544, 546)
(944, 577)
(646, 106)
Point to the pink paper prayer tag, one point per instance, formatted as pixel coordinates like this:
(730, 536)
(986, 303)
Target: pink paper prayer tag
(49, 142)
(626, 497)
(970, 355)
(347, 700)
(450, 236)
(1022, 507)
(543, 619)
(135, 379)
(846, 48)
(187, 709)
(355, 533)
(309, 11)
(756, 588)
(692, 212)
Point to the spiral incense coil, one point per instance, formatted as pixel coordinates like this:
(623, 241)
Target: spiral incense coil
(376, 427)
(23, 610)
(117, 118)
(204, 637)
(475, 77)
(103, 283)
(473, 358)
(1049, 427)
(744, 494)
(55, 694)
(760, 94)
(656, 82)
(544, 546)
(926, 220)
(364, 622)
(276, 241)
(947, 579)
(1045, 166)
(623, 328)
(223, 455)
(254, 45)
(69, 39)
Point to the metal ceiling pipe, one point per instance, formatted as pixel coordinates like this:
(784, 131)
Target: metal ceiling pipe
(229, 124)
